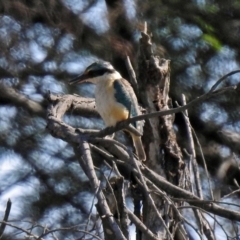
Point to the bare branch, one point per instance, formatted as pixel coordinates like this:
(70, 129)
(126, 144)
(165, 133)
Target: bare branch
(213, 88)
(5, 218)
(192, 151)
(141, 226)
(149, 197)
(22, 230)
(131, 72)
(20, 100)
(77, 103)
(87, 165)
(189, 197)
(68, 133)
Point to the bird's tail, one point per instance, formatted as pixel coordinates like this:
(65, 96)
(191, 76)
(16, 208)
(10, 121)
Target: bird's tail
(137, 142)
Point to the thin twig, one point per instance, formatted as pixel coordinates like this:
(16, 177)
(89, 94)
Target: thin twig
(204, 225)
(113, 197)
(178, 215)
(132, 75)
(22, 229)
(189, 197)
(90, 211)
(151, 201)
(71, 228)
(87, 165)
(195, 229)
(192, 151)
(206, 212)
(232, 193)
(222, 79)
(204, 162)
(5, 218)
(141, 226)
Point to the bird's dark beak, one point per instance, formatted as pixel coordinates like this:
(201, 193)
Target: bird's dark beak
(79, 79)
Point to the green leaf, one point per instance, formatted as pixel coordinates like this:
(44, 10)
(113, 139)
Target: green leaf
(213, 41)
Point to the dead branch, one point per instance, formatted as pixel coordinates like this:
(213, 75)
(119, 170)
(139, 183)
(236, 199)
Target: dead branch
(19, 99)
(5, 218)
(68, 133)
(85, 161)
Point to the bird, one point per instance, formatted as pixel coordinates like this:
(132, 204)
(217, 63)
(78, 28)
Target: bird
(115, 99)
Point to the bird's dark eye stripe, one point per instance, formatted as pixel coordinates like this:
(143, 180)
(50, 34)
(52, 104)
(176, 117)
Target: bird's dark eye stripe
(100, 72)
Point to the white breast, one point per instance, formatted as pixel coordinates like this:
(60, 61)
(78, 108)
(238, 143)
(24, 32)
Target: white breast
(110, 111)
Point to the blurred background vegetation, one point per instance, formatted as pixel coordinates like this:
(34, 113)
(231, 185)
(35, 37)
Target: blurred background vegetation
(46, 42)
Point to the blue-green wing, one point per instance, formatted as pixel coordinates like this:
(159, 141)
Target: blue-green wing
(125, 95)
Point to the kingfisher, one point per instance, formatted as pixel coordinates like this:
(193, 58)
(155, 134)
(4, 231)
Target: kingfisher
(115, 98)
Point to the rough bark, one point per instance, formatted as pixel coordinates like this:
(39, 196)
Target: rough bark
(164, 155)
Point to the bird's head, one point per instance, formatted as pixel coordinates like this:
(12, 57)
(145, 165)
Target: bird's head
(95, 72)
